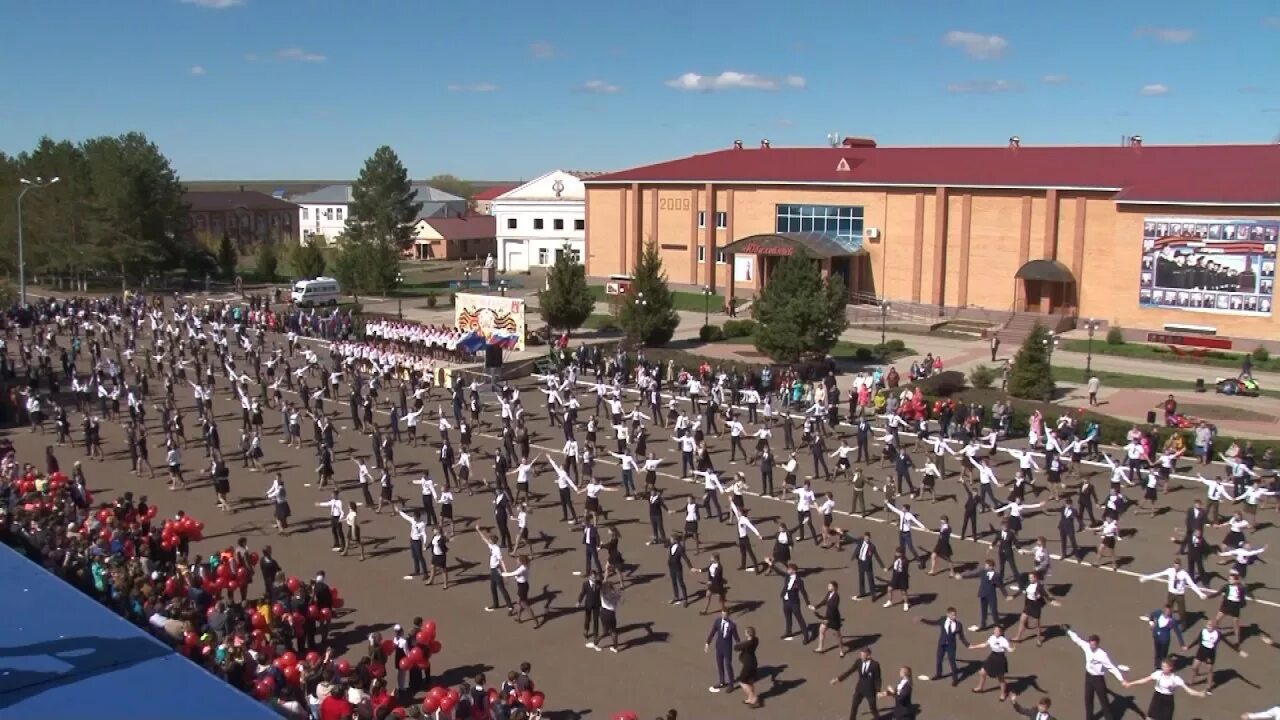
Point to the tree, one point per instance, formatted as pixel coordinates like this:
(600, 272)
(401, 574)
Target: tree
(384, 205)
(365, 267)
(1030, 375)
(268, 261)
(648, 312)
(454, 186)
(227, 257)
(308, 260)
(567, 302)
(800, 313)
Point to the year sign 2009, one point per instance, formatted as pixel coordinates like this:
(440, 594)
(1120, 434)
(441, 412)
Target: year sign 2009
(674, 204)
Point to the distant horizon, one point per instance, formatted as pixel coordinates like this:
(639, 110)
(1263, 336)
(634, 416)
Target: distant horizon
(263, 89)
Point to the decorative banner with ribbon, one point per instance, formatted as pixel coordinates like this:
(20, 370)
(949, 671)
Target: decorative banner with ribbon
(493, 319)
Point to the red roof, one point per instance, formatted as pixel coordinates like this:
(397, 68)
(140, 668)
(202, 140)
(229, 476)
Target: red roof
(1191, 174)
(492, 192)
(466, 227)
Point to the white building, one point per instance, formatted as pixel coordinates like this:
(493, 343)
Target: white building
(324, 212)
(539, 218)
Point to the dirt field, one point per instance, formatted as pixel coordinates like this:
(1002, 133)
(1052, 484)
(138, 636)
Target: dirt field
(662, 664)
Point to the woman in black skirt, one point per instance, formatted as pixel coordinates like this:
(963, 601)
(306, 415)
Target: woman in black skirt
(717, 587)
(220, 473)
(899, 580)
(749, 667)
(781, 554)
(996, 665)
(521, 575)
(1036, 595)
(614, 563)
(831, 619)
(942, 548)
(1161, 705)
(278, 494)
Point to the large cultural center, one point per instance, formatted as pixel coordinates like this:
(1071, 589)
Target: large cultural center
(1146, 237)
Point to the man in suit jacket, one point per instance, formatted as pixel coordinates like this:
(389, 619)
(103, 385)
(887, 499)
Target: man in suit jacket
(950, 637)
(1196, 519)
(865, 553)
(724, 635)
(990, 588)
(1039, 712)
(589, 601)
(793, 593)
(868, 684)
(1068, 524)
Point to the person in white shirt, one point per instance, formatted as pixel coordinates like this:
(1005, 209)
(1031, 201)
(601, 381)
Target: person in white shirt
(336, 513)
(1271, 714)
(996, 665)
(352, 522)
(1166, 682)
(1179, 581)
(521, 576)
(1097, 663)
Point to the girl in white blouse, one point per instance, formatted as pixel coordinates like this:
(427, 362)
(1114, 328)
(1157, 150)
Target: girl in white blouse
(997, 663)
(1161, 705)
(521, 575)
(352, 522)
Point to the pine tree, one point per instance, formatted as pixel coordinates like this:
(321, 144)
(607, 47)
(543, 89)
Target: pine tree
(268, 261)
(800, 313)
(308, 260)
(567, 302)
(384, 205)
(648, 313)
(1030, 375)
(227, 257)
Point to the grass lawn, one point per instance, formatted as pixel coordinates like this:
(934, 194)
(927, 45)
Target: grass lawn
(601, 321)
(1161, 353)
(1139, 382)
(686, 301)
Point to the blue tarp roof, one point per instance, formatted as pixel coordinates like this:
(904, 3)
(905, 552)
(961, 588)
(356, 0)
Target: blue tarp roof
(63, 655)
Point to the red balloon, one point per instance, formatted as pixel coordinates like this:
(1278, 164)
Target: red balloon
(253, 559)
(151, 512)
(223, 572)
(293, 675)
(278, 610)
(298, 619)
(290, 658)
(493, 695)
(446, 704)
(294, 584)
(338, 602)
(437, 692)
(313, 611)
(376, 671)
(326, 614)
(257, 621)
(415, 654)
(429, 627)
(425, 665)
(430, 704)
(242, 575)
(388, 647)
(197, 526)
(404, 664)
(536, 700)
(171, 587)
(190, 639)
(232, 584)
(436, 647)
(314, 658)
(344, 667)
(424, 638)
(453, 693)
(261, 690)
(526, 698)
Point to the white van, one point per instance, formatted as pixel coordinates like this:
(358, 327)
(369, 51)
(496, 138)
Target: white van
(311, 293)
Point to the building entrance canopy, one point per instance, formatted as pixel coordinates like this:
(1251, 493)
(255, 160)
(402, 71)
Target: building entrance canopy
(819, 245)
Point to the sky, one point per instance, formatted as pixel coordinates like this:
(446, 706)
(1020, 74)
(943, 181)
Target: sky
(508, 90)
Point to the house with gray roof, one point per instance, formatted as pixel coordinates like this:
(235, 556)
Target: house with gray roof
(325, 210)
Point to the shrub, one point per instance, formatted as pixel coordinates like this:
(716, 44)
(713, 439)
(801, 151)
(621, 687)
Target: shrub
(1261, 354)
(432, 299)
(982, 376)
(863, 354)
(895, 345)
(1115, 335)
(739, 328)
(710, 333)
(943, 384)
(605, 323)
(453, 299)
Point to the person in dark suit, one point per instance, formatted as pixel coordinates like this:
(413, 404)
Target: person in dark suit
(724, 635)
(1039, 712)
(950, 636)
(750, 667)
(903, 707)
(990, 588)
(1068, 523)
(831, 619)
(793, 593)
(1196, 519)
(868, 684)
(864, 552)
(589, 601)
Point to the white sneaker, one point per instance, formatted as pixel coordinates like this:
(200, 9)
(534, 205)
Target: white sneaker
(613, 649)
(592, 646)
(714, 689)
(577, 572)
(408, 577)
(973, 628)
(906, 607)
(888, 603)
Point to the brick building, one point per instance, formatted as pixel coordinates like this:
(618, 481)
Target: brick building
(1158, 238)
(247, 217)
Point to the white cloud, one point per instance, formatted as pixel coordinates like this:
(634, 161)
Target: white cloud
(600, 86)
(985, 87)
(1154, 89)
(299, 55)
(213, 4)
(977, 45)
(543, 50)
(197, 70)
(482, 87)
(731, 80)
(1170, 36)
(1055, 79)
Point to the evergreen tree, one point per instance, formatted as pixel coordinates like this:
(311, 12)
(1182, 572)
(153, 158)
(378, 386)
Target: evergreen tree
(268, 261)
(800, 313)
(227, 257)
(308, 260)
(1030, 375)
(567, 302)
(648, 313)
(384, 205)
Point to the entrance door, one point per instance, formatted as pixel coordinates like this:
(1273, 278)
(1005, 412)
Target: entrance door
(559, 254)
(1033, 291)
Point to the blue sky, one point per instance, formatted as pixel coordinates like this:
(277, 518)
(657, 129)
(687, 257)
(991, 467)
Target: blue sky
(297, 89)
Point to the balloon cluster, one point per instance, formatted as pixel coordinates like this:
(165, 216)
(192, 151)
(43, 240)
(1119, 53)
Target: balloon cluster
(175, 531)
(627, 715)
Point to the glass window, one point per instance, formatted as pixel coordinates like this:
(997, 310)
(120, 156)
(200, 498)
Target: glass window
(702, 254)
(839, 221)
(511, 223)
(537, 223)
(806, 224)
(338, 214)
(542, 253)
(579, 224)
(557, 224)
(306, 212)
(577, 255)
(702, 218)
(328, 213)
(722, 220)
(721, 258)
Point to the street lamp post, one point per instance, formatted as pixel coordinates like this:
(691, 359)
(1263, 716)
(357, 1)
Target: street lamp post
(1091, 326)
(1050, 343)
(884, 316)
(36, 184)
(502, 287)
(706, 305)
(399, 296)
